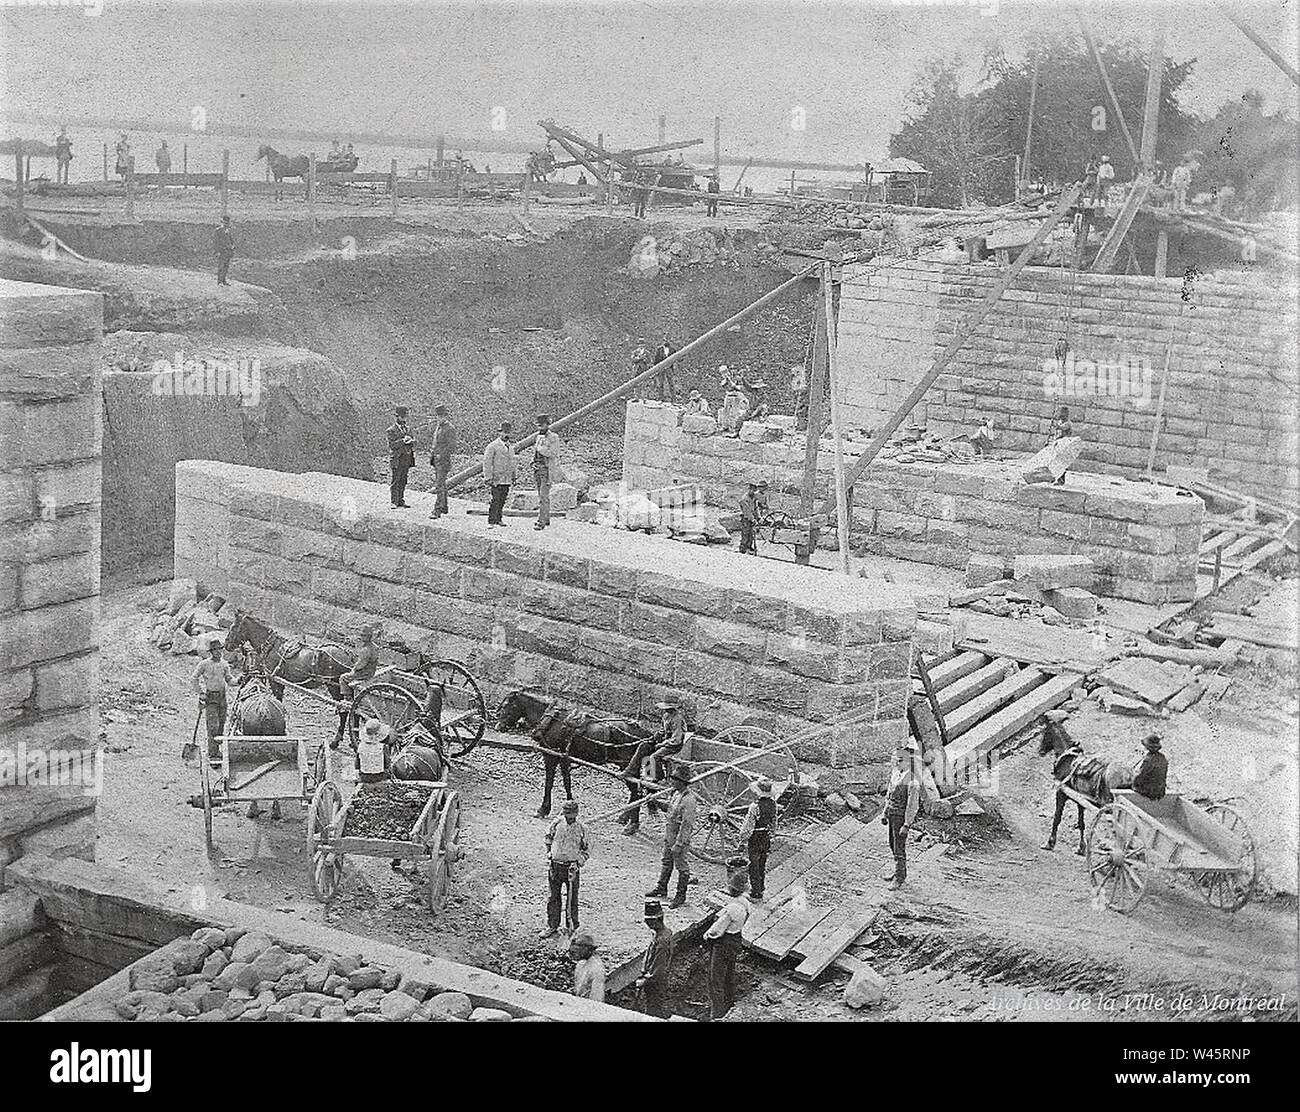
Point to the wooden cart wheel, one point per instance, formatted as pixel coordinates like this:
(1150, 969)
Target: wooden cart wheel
(1231, 891)
(205, 781)
(449, 841)
(326, 866)
(725, 795)
(445, 849)
(394, 706)
(464, 711)
(439, 882)
(780, 766)
(1117, 860)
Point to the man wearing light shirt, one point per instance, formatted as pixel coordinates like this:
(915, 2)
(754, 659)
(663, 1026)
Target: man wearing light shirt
(678, 825)
(724, 934)
(209, 679)
(546, 460)
(567, 847)
(499, 471)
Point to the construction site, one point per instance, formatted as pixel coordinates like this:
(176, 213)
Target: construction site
(1003, 494)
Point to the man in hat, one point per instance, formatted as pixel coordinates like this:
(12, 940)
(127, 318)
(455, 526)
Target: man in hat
(658, 751)
(223, 244)
(62, 156)
(209, 679)
(401, 456)
(499, 471)
(641, 360)
(1149, 779)
(546, 466)
(664, 382)
(1181, 181)
(902, 800)
(713, 189)
(724, 936)
(1105, 176)
(444, 447)
(698, 404)
(567, 850)
(588, 969)
(756, 834)
(372, 752)
(677, 837)
(652, 985)
(761, 503)
(749, 521)
(362, 672)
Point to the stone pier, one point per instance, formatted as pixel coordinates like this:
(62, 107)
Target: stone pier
(606, 619)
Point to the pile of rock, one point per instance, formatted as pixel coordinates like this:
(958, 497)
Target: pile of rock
(219, 975)
(190, 618)
(695, 247)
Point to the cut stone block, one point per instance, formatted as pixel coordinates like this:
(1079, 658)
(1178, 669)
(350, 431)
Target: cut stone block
(1052, 572)
(753, 433)
(934, 638)
(522, 500)
(699, 424)
(1074, 602)
(982, 569)
(1053, 461)
(564, 496)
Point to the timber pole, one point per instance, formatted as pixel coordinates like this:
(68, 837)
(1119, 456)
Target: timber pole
(1029, 127)
(1272, 55)
(1151, 111)
(816, 399)
(841, 491)
(1108, 87)
(964, 333)
(631, 384)
(717, 145)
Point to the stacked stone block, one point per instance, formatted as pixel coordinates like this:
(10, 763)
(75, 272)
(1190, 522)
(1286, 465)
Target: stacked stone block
(50, 438)
(610, 620)
(1233, 358)
(1143, 538)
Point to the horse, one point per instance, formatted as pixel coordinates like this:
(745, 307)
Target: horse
(1091, 777)
(575, 734)
(292, 660)
(284, 166)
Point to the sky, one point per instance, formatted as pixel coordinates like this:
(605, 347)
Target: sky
(789, 78)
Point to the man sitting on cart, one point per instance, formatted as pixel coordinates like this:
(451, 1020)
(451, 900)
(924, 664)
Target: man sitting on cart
(351, 683)
(660, 750)
(1149, 779)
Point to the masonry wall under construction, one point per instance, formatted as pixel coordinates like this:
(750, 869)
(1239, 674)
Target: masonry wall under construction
(610, 620)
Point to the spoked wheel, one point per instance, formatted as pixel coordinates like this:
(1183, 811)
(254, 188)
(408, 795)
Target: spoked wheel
(725, 795)
(205, 781)
(779, 765)
(1117, 860)
(446, 851)
(318, 768)
(394, 706)
(326, 866)
(1231, 891)
(464, 711)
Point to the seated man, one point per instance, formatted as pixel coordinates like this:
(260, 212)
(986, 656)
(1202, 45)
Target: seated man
(1149, 780)
(350, 683)
(659, 750)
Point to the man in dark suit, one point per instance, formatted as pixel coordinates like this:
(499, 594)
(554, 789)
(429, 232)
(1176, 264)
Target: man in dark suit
(713, 189)
(1152, 773)
(401, 456)
(444, 447)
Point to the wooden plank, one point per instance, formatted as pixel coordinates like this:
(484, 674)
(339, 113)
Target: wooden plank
(927, 685)
(1261, 554)
(1123, 221)
(763, 916)
(1013, 687)
(1017, 716)
(813, 940)
(1253, 631)
(963, 664)
(819, 848)
(814, 964)
(1239, 547)
(779, 940)
(1217, 541)
(963, 690)
(1034, 642)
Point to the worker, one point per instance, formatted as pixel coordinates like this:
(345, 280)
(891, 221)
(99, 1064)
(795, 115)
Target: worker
(372, 752)
(499, 471)
(124, 158)
(902, 798)
(1181, 181)
(567, 850)
(641, 194)
(444, 447)
(756, 834)
(735, 403)
(546, 468)
(725, 939)
(652, 985)
(1105, 177)
(401, 456)
(163, 158)
(363, 670)
(761, 503)
(749, 521)
(677, 837)
(658, 751)
(62, 156)
(1149, 779)
(588, 969)
(209, 680)
(983, 438)
(1060, 428)
(223, 243)
(698, 404)
(664, 381)
(640, 362)
(713, 189)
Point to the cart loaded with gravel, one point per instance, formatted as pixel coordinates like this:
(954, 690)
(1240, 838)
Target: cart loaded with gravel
(407, 821)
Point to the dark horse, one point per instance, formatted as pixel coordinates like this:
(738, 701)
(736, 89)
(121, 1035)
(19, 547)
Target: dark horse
(283, 166)
(1091, 777)
(575, 734)
(282, 659)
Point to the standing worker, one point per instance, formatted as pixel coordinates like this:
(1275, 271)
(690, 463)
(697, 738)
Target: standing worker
(749, 521)
(641, 361)
(567, 850)
(902, 799)
(499, 471)
(713, 189)
(652, 985)
(1105, 178)
(756, 834)
(209, 679)
(163, 159)
(62, 156)
(724, 934)
(664, 381)
(546, 468)
(401, 457)
(444, 447)
(588, 969)
(223, 243)
(677, 837)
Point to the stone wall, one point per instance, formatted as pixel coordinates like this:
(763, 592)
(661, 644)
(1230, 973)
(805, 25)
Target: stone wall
(50, 439)
(611, 620)
(1233, 357)
(1143, 538)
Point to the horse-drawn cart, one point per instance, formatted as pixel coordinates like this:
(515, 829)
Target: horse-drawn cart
(1133, 835)
(254, 769)
(433, 836)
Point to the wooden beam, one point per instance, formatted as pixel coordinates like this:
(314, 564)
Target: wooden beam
(963, 664)
(1155, 78)
(964, 333)
(1108, 87)
(812, 441)
(979, 681)
(1123, 222)
(1272, 55)
(841, 491)
(1013, 687)
(1160, 409)
(832, 943)
(997, 728)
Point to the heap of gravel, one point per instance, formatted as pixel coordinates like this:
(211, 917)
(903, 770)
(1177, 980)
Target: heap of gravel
(385, 810)
(217, 975)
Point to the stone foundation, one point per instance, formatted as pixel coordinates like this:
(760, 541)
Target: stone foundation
(50, 438)
(607, 619)
(1143, 538)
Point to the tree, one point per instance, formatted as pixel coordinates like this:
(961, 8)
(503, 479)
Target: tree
(953, 135)
(1253, 152)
